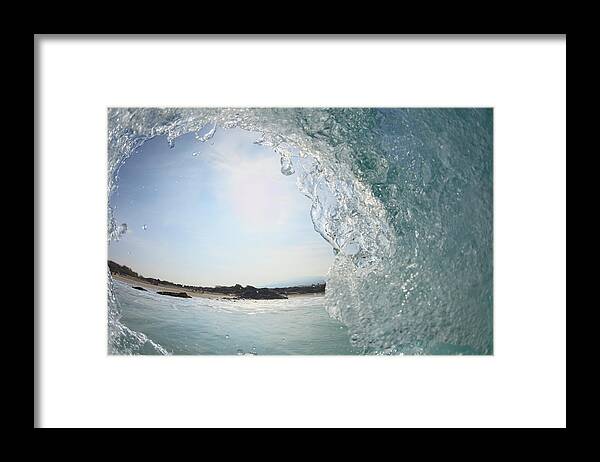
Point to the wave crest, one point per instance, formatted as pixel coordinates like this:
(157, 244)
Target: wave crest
(404, 196)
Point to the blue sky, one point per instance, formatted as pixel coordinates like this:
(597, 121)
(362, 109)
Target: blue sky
(214, 213)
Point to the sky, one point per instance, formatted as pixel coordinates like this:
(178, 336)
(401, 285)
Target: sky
(218, 212)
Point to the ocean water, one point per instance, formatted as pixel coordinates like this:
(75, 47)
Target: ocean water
(299, 325)
(404, 196)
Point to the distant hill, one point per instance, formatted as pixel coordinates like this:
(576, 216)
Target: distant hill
(121, 269)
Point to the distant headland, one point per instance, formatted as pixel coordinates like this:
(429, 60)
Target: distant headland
(236, 291)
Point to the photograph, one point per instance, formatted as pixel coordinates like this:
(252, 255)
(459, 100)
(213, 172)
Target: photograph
(289, 231)
(300, 231)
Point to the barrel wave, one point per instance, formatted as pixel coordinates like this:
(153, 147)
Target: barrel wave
(403, 196)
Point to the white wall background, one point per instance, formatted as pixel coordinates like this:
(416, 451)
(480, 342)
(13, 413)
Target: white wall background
(523, 384)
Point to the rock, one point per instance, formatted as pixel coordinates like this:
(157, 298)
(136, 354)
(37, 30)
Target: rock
(260, 294)
(175, 294)
(139, 288)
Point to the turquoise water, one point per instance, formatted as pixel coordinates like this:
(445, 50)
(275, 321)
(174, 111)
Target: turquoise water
(404, 196)
(299, 325)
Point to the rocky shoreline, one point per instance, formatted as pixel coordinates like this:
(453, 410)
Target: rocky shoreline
(235, 292)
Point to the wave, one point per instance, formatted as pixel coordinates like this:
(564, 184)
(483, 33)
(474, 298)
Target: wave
(404, 197)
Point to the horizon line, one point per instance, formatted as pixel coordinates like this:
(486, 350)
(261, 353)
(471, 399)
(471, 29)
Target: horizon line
(324, 282)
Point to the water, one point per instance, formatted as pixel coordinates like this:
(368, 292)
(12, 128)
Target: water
(299, 325)
(404, 196)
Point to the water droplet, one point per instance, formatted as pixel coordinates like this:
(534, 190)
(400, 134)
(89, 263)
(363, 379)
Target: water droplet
(286, 166)
(121, 229)
(195, 154)
(208, 135)
(240, 352)
(144, 227)
(283, 340)
(351, 248)
(227, 337)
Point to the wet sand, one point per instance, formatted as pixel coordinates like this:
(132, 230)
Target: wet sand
(134, 282)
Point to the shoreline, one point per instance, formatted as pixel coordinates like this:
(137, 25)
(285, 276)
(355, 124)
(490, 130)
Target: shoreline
(133, 281)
